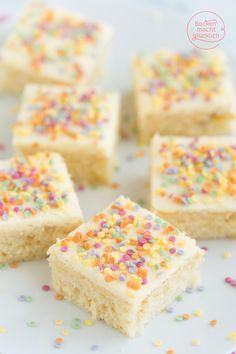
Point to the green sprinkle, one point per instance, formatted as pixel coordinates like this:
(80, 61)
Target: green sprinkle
(179, 298)
(178, 318)
(76, 323)
(31, 324)
(3, 266)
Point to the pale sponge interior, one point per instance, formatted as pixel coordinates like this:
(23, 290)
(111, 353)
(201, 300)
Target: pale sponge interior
(126, 316)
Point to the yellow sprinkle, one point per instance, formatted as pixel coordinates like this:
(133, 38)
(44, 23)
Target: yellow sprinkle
(198, 313)
(2, 329)
(65, 332)
(58, 322)
(158, 343)
(196, 342)
(227, 255)
(131, 293)
(88, 323)
(232, 336)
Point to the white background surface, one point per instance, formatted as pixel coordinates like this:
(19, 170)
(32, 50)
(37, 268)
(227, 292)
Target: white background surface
(139, 26)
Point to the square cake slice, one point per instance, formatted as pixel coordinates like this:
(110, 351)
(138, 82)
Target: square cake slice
(52, 45)
(125, 265)
(187, 94)
(193, 184)
(37, 205)
(81, 125)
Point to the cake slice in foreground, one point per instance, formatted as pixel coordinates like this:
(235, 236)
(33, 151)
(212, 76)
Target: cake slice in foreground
(38, 204)
(193, 184)
(125, 265)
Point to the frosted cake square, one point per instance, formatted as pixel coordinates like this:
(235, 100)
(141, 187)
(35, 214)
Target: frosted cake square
(81, 125)
(52, 45)
(37, 205)
(193, 184)
(125, 265)
(187, 94)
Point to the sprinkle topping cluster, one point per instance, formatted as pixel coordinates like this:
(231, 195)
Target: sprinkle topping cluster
(64, 112)
(48, 36)
(191, 171)
(170, 78)
(29, 186)
(126, 244)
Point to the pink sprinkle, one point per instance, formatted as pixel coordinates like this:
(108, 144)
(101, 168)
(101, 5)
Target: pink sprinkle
(205, 248)
(126, 257)
(144, 281)
(148, 225)
(228, 280)
(97, 245)
(172, 250)
(142, 241)
(3, 17)
(233, 282)
(172, 238)
(81, 187)
(114, 267)
(2, 147)
(45, 287)
(64, 248)
(121, 212)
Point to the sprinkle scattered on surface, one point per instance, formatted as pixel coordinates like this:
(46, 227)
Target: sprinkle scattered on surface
(196, 342)
(227, 255)
(158, 343)
(213, 323)
(232, 336)
(59, 297)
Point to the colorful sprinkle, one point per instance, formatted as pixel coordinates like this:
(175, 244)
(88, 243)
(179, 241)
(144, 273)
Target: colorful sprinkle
(214, 323)
(76, 323)
(88, 323)
(158, 343)
(227, 255)
(169, 78)
(46, 287)
(108, 245)
(59, 296)
(232, 336)
(30, 186)
(196, 342)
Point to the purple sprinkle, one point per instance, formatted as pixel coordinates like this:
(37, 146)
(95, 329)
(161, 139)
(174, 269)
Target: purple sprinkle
(189, 290)
(94, 347)
(169, 309)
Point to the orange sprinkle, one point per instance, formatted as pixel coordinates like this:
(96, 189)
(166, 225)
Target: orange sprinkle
(59, 296)
(142, 272)
(213, 322)
(14, 265)
(115, 185)
(59, 340)
(170, 351)
(186, 316)
(133, 285)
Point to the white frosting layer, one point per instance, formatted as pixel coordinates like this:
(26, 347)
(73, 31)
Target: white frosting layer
(106, 112)
(186, 249)
(205, 202)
